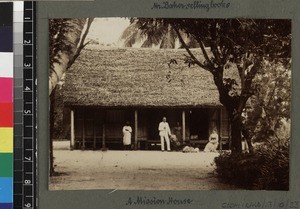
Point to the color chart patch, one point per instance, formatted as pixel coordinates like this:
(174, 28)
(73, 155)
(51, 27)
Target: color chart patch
(24, 144)
(6, 105)
(6, 29)
(6, 114)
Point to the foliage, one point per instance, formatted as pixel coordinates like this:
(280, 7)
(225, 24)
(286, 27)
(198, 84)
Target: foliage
(161, 36)
(237, 168)
(270, 105)
(66, 36)
(274, 171)
(266, 168)
(57, 30)
(243, 45)
(66, 40)
(61, 123)
(60, 41)
(277, 95)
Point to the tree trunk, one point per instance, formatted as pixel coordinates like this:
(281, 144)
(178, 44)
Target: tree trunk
(65, 58)
(236, 136)
(51, 157)
(71, 39)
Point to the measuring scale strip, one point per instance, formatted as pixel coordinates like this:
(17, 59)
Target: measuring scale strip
(29, 132)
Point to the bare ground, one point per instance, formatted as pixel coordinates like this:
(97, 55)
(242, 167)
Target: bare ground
(133, 170)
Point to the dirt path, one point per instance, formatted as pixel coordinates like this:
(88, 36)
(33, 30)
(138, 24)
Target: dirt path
(133, 170)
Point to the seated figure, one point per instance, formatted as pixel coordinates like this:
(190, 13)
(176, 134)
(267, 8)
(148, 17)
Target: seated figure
(213, 142)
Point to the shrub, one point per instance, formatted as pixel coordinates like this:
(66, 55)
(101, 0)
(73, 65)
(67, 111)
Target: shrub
(266, 168)
(274, 167)
(239, 169)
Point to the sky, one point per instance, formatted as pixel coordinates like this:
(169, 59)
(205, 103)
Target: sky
(108, 30)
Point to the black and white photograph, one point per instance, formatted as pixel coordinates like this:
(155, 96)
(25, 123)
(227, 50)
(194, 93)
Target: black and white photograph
(169, 103)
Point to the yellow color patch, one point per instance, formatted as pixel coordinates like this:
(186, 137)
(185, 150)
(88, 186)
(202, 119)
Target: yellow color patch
(6, 140)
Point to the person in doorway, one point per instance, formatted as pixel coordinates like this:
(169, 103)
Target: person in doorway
(245, 136)
(164, 133)
(178, 132)
(213, 142)
(176, 138)
(127, 130)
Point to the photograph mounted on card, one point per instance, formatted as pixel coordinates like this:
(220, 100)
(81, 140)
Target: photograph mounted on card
(169, 103)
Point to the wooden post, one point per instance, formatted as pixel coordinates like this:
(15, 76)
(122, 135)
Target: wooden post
(103, 136)
(94, 132)
(72, 142)
(83, 135)
(183, 125)
(135, 129)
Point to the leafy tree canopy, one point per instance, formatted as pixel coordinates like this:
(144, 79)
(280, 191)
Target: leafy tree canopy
(245, 45)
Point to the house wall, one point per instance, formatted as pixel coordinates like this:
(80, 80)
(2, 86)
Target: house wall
(94, 124)
(214, 120)
(150, 118)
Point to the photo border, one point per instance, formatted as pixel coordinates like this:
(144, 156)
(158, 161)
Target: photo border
(264, 9)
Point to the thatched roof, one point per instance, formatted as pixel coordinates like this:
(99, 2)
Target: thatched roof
(130, 77)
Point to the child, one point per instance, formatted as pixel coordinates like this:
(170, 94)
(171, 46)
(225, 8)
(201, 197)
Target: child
(213, 142)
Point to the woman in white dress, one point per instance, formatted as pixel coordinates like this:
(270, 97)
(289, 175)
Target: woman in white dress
(213, 142)
(127, 130)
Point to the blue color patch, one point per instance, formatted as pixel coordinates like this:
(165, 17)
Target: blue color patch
(6, 27)
(6, 190)
(6, 39)
(6, 206)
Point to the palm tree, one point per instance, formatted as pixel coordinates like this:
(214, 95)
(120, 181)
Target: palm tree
(66, 40)
(163, 36)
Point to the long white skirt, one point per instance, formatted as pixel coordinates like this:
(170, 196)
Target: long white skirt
(127, 138)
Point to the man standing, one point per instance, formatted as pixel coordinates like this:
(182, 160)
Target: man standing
(164, 132)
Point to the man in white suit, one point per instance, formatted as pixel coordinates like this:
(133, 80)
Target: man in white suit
(164, 133)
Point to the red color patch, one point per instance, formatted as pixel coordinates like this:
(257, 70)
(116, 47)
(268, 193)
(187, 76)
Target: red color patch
(6, 115)
(6, 90)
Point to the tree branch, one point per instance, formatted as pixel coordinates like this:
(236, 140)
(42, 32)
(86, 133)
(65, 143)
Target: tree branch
(242, 70)
(272, 93)
(199, 39)
(216, 53)
(189, 51)
(81, 43)
(245, 93)
(214, 45)
(203, 50)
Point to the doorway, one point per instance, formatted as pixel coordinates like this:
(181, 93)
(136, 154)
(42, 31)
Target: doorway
(199, 124)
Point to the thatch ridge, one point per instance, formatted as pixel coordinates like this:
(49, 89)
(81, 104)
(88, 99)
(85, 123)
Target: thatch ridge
(131, 77)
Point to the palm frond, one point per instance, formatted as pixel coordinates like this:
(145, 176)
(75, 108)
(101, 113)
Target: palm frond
(131, 35)
(169, 39)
